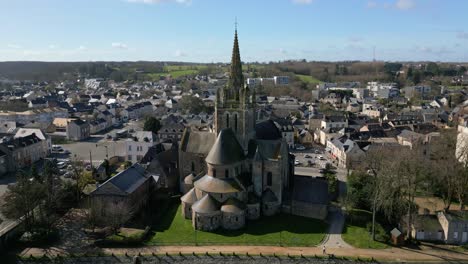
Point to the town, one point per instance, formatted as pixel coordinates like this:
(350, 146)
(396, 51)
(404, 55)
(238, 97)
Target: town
(134, 162)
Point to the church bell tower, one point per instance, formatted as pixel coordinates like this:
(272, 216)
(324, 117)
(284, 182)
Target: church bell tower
(235, 103)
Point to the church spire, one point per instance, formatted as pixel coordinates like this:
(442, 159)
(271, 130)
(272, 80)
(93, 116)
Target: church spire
(236, 77)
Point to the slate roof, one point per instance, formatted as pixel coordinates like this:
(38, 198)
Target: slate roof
(310, 190)
(267, 130)
(126, 181)
(199, 142)
(226, 149)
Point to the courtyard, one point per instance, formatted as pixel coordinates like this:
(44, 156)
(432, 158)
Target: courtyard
(282, 229)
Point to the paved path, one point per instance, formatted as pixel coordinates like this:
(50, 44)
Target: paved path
(424, 254)
(333, 238)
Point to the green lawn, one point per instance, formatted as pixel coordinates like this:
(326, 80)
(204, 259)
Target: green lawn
(308, 79)
(281, 229)
(355, 231)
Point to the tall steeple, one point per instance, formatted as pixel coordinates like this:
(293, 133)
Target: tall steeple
(236, 77)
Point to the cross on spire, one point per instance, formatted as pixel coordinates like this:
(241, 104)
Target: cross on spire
(235, 23)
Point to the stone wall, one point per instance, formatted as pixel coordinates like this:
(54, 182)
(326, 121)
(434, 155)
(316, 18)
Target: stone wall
(233, 221)
(206, 221)
(317, 211)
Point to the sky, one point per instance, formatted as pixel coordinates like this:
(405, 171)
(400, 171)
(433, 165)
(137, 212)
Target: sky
(202, 30)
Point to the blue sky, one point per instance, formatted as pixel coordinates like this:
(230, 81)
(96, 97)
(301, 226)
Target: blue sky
(202, 30)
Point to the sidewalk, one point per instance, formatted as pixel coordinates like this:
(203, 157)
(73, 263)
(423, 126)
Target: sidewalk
(426, 253)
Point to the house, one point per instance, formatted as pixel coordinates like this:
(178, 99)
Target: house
(135, 148)
(97, 125)
(23, 151)
(417, 91)
(172, 131)
(38, 103)
(345, 151)
(46, 140)
(78, 129)
(129, 189)
(287, 130)
(336, 122)
(455, 226)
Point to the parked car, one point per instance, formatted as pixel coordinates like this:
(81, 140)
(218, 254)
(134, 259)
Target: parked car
(57, 148)
(297, 162)
(307, 156)
(61, 164)
(300, 147)
(108, 136)
(68, 174)
(321, 158)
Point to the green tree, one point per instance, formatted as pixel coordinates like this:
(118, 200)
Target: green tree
(416, 77)
(191, 104)
(152, 124)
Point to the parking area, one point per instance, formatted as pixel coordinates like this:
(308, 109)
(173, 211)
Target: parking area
(314, 157)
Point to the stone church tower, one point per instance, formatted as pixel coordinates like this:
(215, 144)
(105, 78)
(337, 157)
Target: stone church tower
(235, 103)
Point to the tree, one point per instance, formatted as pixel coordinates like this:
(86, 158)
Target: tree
(416, 77)
(152, 124)
(461, 179)
(191, 104)
(409, 73)
(22, 199)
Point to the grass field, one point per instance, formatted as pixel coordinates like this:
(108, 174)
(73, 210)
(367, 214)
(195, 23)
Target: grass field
(356, 234)
(308, 79)
(282, 229)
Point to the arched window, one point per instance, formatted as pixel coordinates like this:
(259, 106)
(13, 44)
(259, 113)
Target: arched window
(214, 173)
(227, 120)
(193, 167)
(235, 122)
(269, 178)
(226, 174)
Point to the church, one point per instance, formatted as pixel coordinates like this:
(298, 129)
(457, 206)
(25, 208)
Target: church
(240, 170)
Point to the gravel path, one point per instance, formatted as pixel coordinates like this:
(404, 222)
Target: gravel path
(424, 253)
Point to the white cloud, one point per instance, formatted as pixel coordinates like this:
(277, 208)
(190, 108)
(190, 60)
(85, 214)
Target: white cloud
(179, 53)
(462, 35)
(119, 45)
(13, 46)
(405, 4)
(185, 2)
(398, 4)
(82, 47)
(371, 4)
(302, 2)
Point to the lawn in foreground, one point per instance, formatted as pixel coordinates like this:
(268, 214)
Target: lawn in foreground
(355, 231)
(282, 229)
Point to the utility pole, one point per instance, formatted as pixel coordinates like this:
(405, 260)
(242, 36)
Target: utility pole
(90, 159)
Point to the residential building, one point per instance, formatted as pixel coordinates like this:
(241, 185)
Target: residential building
(78, 129)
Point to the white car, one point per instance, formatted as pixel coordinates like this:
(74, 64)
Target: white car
(297, 162)
(300, 148)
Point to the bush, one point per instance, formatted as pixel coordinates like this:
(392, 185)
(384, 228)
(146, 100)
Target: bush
(125, 237)
(39, 237)
(380, 233)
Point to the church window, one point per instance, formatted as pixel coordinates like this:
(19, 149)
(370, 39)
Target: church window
(226, 174)
(227, 120)
(193, 167)
(235, 122)
(269, 178)
(214, 173)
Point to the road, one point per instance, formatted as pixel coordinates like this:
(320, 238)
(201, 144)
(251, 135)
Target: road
(336, 218)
